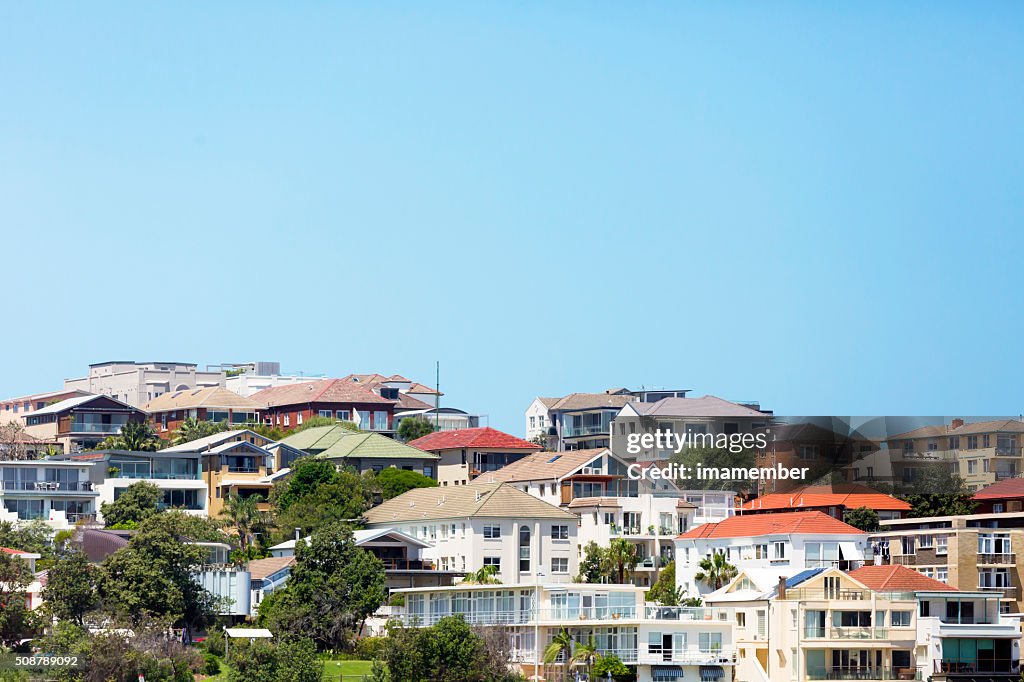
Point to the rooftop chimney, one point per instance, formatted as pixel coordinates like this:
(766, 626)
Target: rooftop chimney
(957, 423)
(782, 587)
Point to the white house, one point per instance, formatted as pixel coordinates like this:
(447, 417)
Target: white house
(485, 524)
(58, 492)
(795, 540)
(663, 643)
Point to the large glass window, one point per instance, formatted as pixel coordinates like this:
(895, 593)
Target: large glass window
(524, 549)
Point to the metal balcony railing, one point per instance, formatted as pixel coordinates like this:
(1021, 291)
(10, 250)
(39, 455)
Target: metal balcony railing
(865, 673)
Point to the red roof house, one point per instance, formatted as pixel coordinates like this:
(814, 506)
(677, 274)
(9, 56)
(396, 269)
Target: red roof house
(468, 453)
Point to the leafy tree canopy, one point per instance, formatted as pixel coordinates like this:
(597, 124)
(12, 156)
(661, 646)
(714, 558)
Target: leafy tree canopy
(863, 518)
(412, 428)
(392, 481)
(138, 502)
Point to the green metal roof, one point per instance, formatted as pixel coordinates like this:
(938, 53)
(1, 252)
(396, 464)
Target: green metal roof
(335, 442)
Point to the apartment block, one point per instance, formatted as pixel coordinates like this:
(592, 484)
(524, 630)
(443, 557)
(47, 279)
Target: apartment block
(466, 454)
(58, 492)
(136, 383)
(664, 643)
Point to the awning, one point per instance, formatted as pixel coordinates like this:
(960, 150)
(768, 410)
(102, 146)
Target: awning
(711, 673)
(667, 673)
(247, 633)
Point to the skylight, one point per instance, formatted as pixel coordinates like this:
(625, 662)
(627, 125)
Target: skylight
(553, 459)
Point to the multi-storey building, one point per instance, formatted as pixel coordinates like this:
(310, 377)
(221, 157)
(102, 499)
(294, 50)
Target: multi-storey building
(13, 409)
(1005, 496)
(979, 552)
(232, 462)
(289, 406)
(706, 415)
(81, 423)
(823, 449)
(981, 452)
(179, 475)
(779, 542)
(213, 404)
(594, 485)
(834, 500)
(468, 453)
(361, 451)
(136, 383)
(58, 492)
(486, 524)
(663, 643)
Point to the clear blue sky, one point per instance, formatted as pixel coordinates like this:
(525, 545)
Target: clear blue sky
(818, 205)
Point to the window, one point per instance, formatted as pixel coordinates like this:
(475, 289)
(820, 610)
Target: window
(493, 561)
(325, 413)
(492, 532)
(298, 418)
(760, 551)
(533, 422)
(998, 508)
(741, 619)
(954, 442)
(808, 452)
(343, 415)
(941, 544)
(287, 420)
(559, 532)
(908, 545)
(972, 466)
(942, 574)
(779, 550)
(524, 549)
(925, 541)
(428, 470)
(972, 442)
(710, 641)
(559, 564)
(986, 441)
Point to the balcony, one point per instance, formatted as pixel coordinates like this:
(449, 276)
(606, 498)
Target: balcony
(397, 564)
(1000, 558)
(92, 427)
(841, 564)
(926, 456)
(865, 673)
(858, 633)
(715, 655)
(971, 666)
(1004, 475)
(591, 430)
(1006, 591)
(47, 486)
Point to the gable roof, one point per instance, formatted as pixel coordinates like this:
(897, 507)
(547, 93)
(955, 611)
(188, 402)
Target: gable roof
(208, 442)
(898, 579)
(706, 406)
(337, 441)
(80, 401)
(481, 437)
(851, 496)
(490, 500)
(755, 525)
(212, 396)
(1007, 488)
(264, 568)
(543, 466)
(321, 391)
(586, 401)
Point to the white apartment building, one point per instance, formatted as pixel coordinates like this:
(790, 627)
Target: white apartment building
(486, 524)
(57, 492)
(663, 643)
(179, 475)
(136, 383)
(595, 485)
(781, 542)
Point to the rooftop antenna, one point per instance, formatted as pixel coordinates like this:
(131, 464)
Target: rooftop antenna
(437, 395)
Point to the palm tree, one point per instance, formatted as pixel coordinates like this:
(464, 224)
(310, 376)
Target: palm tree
(622, 556)
(561, 643)
(715, 571)
(137, 436)
(487, 575)
(244, 515)
(192, 429)
(586, 653)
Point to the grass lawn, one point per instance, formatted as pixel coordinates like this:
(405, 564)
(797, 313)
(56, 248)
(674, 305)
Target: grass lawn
(347, 671)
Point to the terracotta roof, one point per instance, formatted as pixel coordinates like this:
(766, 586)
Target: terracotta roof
(375, 380)
(16, 552)
(755, 525)
(584, 401)
(1007, 488)
(262, 568)
(322, 391)
(213, 396)
(543, 466)
(707, 406)
(993, 426)
(495, 500)
(482, 437)
(851, 496)
(897, 579)
(595, 502)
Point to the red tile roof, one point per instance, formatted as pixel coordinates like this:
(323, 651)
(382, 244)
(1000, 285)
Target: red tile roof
(322, 391)
(850, 496)
(482, 437)
(754, 525)
(898, 579)
(1010, 487)
(8, 550)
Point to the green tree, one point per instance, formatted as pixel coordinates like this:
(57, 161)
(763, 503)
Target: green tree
(136, 436)
(17, 622)
(664, 590)
(411, 428)
(285, 660)
(153, 574)
(562, 645)
(864, 518)
(621, 557)
(485, 575)
(586, 653)
(243, 515)
(193, 429)
(937, 491)
(715, 458)
(334, 586)
(592, 564)
(451, 651)
(317, 495)
(70, 590)
(137, 503)
(392, 481)
(609, 664)
(715, 571)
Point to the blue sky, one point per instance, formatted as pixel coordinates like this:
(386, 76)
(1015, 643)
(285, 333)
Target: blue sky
(812, 204)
